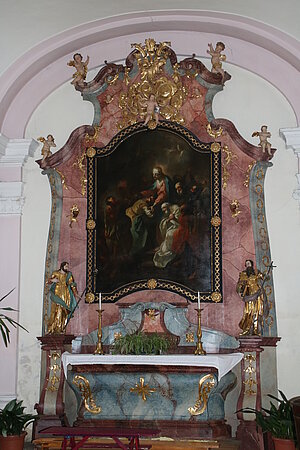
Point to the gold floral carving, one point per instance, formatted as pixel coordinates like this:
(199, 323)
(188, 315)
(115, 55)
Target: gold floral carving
(117, 335)
(235, 209)
(74, 213)
(250, 375)
(54, 377)
(90, 297)
(81, 164)
(168, 90)
(247, 175)
(142, 389)
(206, 384)
(215, 147)
(190, 338)
(90, 224)
(152, 283)
(215, 221)
(63, 178)
(228, 158)
(216, 297)
(94, 137)
(151, 314)
(214, 133)
(84, 386)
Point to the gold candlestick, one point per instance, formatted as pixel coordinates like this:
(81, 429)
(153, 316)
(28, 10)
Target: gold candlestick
(99, 347)
(199, 348)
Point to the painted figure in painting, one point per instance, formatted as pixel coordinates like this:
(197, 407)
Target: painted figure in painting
(250, 288)
(160, 189)
(152, 109)
(63, 292)
(137, 213)
(81, 69)
(217, 58)
(168, 225)
(47, 144)
(263, 135)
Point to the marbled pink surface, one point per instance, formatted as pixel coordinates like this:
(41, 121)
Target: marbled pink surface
(237, 235)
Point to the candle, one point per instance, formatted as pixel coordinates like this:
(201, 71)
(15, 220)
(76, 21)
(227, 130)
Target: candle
(198, 300)
(100, 301)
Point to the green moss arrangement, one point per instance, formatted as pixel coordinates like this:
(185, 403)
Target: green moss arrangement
(142, 344)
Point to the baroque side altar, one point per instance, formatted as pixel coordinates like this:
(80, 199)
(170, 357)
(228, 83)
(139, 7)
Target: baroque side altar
(166, 202)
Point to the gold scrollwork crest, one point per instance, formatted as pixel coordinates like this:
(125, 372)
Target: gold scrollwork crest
(84, 386)
(90, 297)
(206, 384)
(216, 297)
(215, 221)
(168, 91)
(90, 224)
(91, 152)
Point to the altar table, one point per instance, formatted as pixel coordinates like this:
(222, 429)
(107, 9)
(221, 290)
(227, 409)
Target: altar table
(183, 395)
(222, 362)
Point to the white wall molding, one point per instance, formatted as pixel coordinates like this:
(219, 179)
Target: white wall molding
(15, 152)
(291, 136)
(13, 155)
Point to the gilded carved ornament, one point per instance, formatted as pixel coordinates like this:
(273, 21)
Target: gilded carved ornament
(152, 283)
(84, 386)
(142, 389)
(90, 297)
(213, 132)
(81, 164)
(74, 213)
(167, 90)
(227, 160)
(235, 209)
(206, 384)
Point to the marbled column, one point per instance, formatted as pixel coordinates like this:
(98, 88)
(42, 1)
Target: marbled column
(13, 155)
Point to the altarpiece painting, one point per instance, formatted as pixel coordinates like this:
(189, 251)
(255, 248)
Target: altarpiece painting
(153, 195)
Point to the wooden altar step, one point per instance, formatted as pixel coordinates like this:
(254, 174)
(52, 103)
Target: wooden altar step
(222, 444)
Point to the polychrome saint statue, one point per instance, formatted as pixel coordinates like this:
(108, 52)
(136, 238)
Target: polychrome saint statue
(63, 293)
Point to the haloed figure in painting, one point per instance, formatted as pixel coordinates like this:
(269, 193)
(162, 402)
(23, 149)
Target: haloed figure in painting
(63, 292)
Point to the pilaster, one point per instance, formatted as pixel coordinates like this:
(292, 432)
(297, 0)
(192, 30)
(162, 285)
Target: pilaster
(13, 155)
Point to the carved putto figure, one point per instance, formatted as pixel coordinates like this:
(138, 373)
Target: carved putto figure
(81, 69)
(63, 293)
(250, 288)
(263, 135)
(47, 144)
(217, 58)
(152, 109)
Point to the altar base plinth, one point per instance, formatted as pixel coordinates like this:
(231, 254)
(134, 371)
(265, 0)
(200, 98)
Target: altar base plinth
(51, 408)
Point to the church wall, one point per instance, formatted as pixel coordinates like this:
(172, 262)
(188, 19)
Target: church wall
(248, 101)
(37, 20)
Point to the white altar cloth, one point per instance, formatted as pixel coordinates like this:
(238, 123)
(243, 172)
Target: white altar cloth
(224, 363)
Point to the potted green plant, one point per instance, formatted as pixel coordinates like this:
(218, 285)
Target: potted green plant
(6, 320)
(13, 422)
(277, 420)
(142, 344)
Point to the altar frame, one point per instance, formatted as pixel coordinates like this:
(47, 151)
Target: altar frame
(214, 293)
